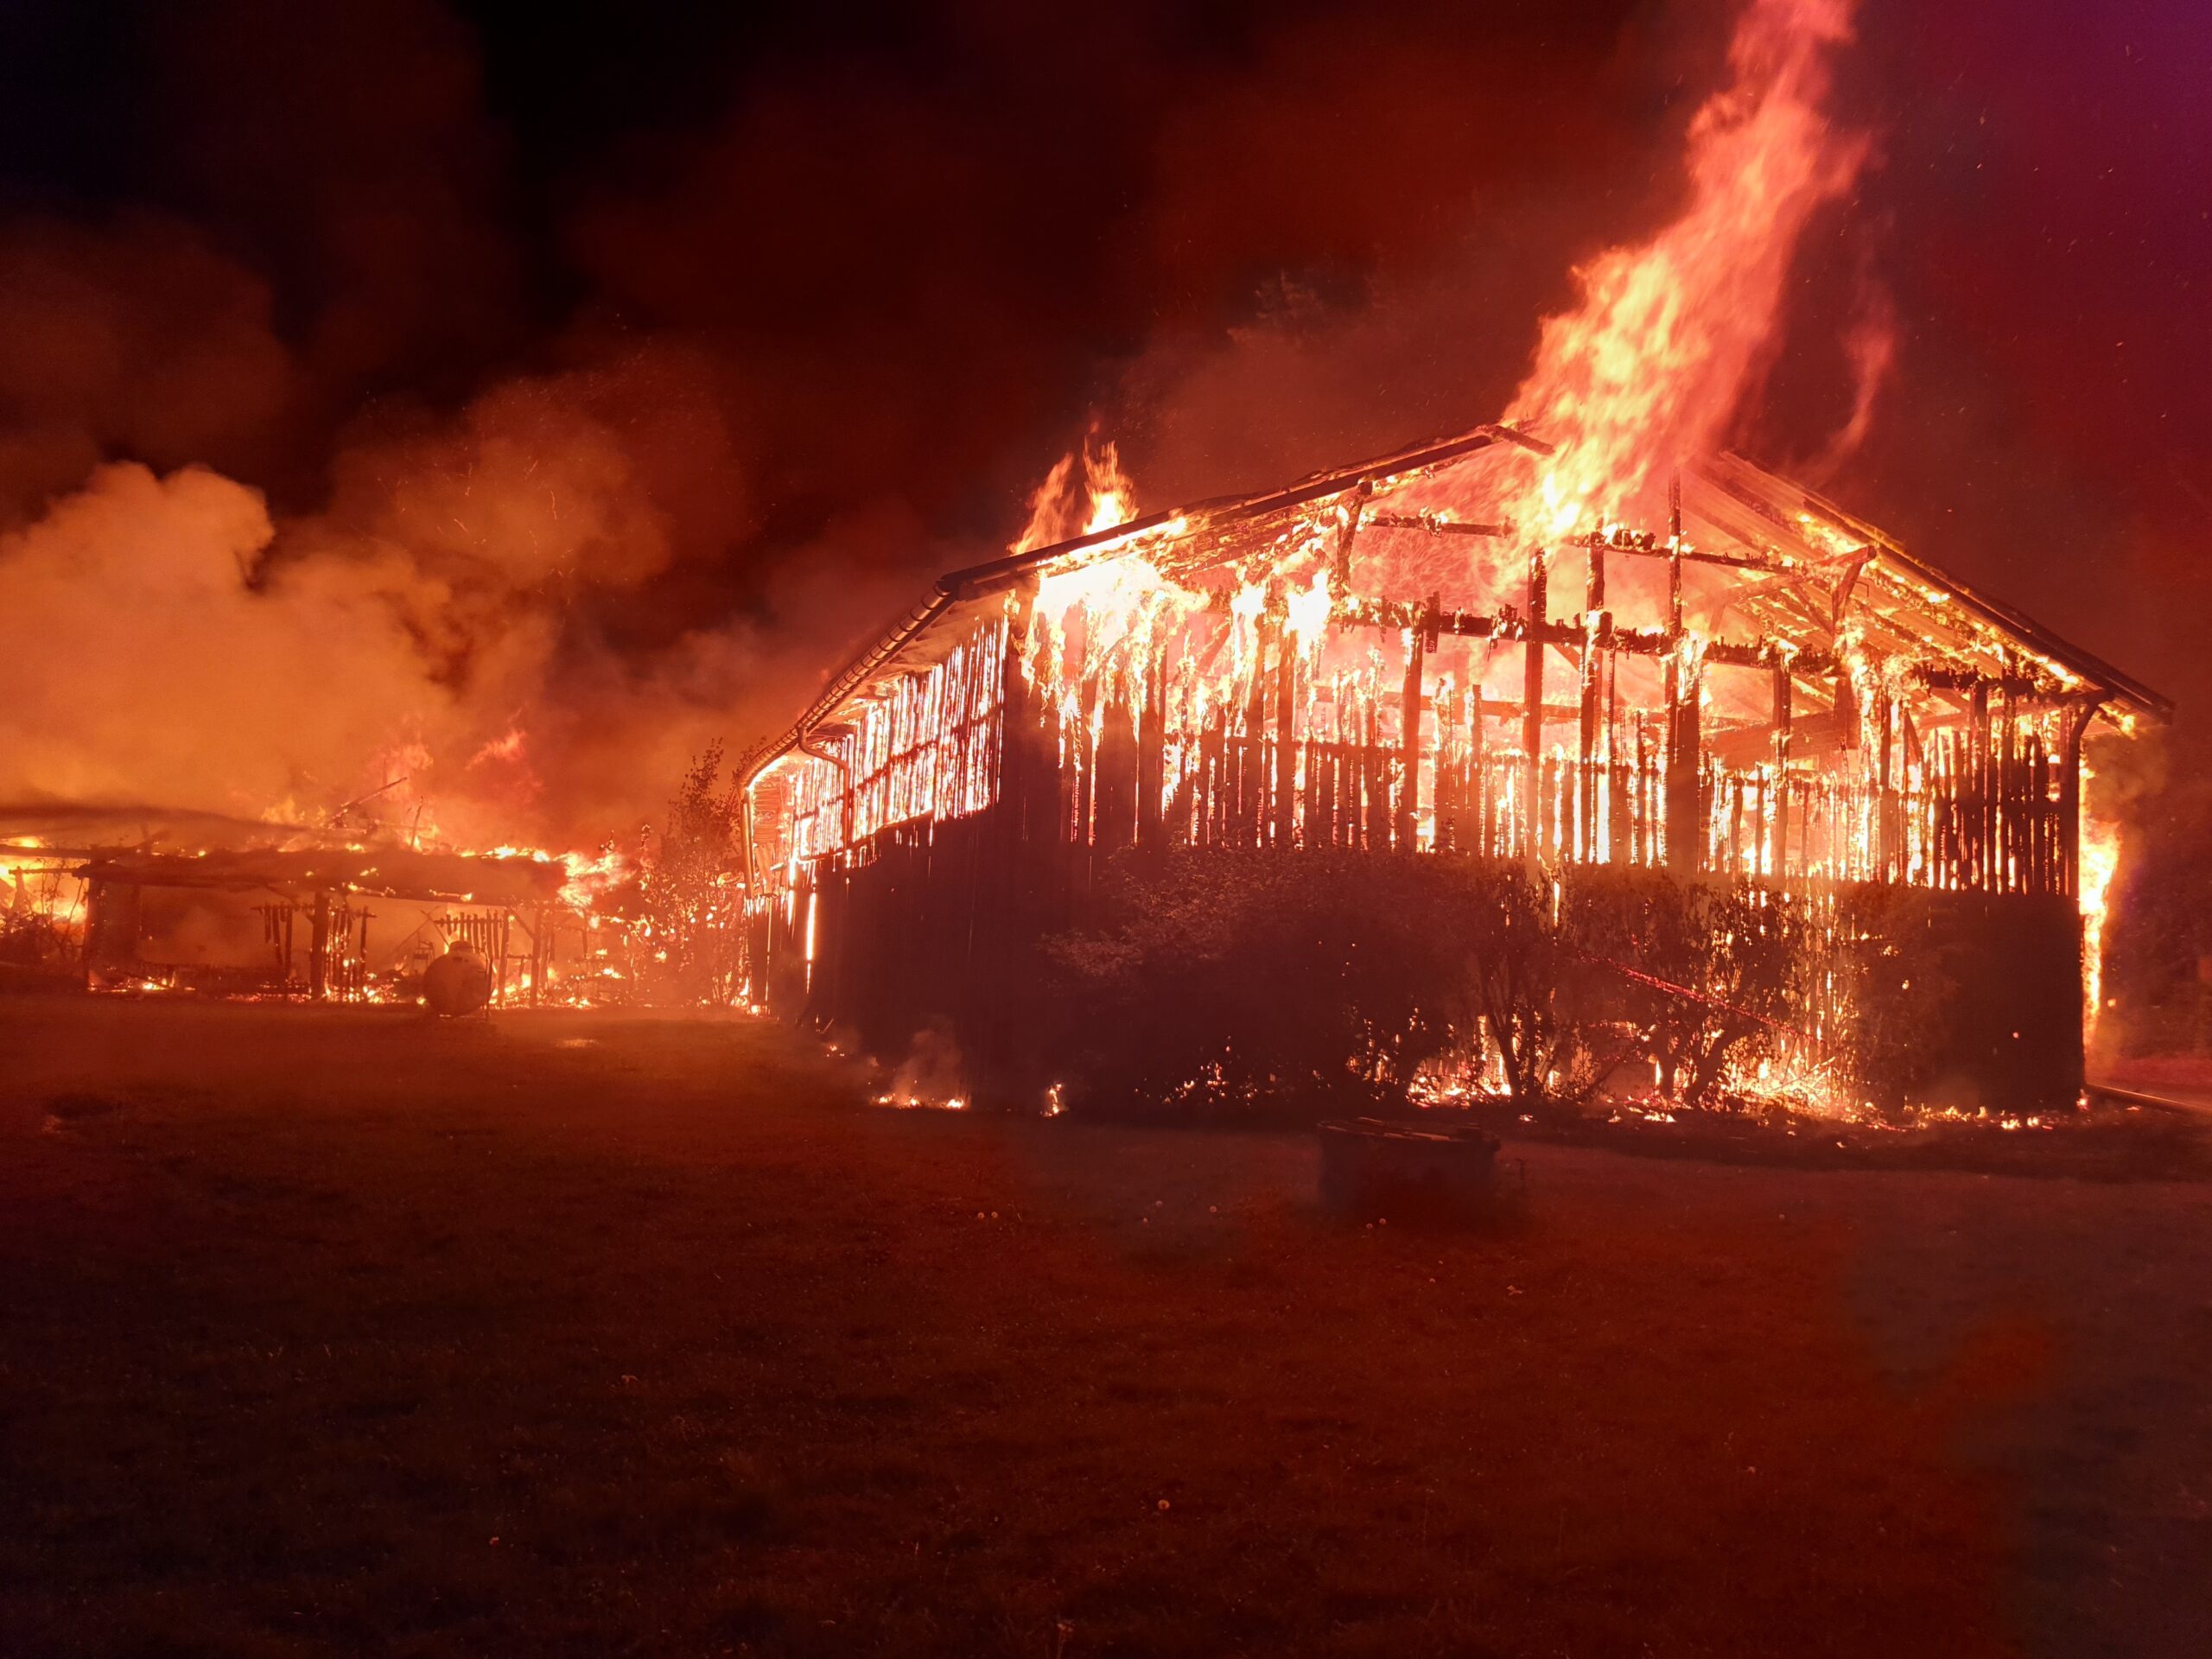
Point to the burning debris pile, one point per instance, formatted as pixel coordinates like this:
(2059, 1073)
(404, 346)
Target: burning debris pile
(1703, 781)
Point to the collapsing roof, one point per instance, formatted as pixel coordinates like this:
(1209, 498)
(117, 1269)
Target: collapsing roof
(1809, 578)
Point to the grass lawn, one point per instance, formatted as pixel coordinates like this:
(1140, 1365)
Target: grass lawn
(338, 1332)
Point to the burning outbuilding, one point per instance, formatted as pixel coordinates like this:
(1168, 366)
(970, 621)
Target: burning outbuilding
(268, 912)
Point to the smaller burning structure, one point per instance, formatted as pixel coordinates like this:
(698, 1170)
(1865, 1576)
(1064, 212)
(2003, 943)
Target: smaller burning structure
(1774, 808)
(320, 922)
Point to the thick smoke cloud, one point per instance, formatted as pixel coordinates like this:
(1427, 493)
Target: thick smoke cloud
(146, 663)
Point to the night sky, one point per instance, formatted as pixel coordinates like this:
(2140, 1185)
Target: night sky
(867, 271)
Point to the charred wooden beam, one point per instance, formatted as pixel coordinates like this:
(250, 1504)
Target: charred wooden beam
(1289, 673)
(1532, 727)
(1435, 524)
(1395, 615)
(1353, 511)
(1596, 631)
(1409, 734)
(1152, 749)
(1647, 547)
(1780, 816)
(2069, 798)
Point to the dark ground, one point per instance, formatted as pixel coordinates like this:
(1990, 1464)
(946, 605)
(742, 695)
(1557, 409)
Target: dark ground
(336, 1333)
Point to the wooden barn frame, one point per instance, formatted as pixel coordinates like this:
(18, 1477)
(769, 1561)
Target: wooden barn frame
(1761, 688)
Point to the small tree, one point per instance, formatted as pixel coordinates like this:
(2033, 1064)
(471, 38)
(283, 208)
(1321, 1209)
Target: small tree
(694, 892)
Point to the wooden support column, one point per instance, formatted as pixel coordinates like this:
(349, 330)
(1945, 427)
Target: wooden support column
(1977, 788)
(1886, 793)
(1085, 746)
(1686, 822)
(1289, 674)
(319, 949)
(1347, 530)
(1618, 813)
(1113, 795)
(1780, 815)
(1375, 785)
(1409, 734)
(1486, 802)
(1152, 749)
(537, 954)
(1252, 778)
(2069, 800)
(1597, 627)
(1532, 707)
(1685, 814)
(2008, 794)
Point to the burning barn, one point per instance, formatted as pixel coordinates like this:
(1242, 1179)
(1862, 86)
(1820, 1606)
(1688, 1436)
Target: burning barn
(1779, 807)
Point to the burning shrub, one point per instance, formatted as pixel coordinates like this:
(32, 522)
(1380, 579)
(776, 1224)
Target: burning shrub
(1725, 968)
(1543, 950)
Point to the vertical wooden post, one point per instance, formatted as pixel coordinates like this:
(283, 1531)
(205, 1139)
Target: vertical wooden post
(1289, 673)
(1114, 795)
(1977, 788)
(1532, 708)
(1485, 805)
(1686, 818)
(1643, 850)
(1443, 797)
(1152, 747)
(1375, 782)
(1682, 816)
(1595, 624)
(1252, 777)
(1409, 734)
(2069, 800)
(1617, 811)
(1347, 530)
(2008, 796)
(318, 947)
(1886, 794)
(1780, 814)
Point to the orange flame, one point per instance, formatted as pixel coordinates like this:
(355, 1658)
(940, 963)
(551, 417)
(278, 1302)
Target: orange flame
(2100, 861)
(1653, 365)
